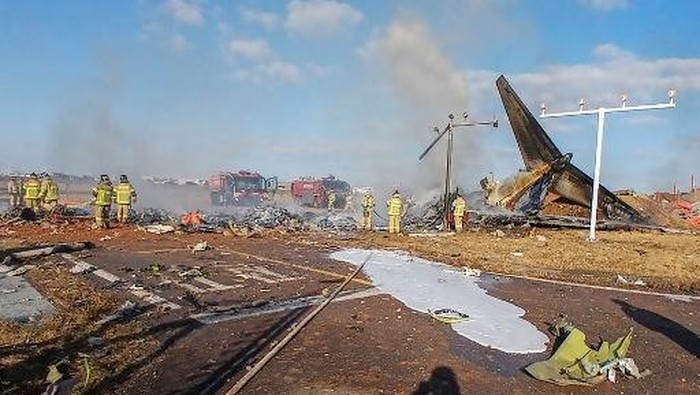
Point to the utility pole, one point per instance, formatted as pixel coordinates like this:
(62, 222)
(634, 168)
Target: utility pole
(449, 130)
(600, 112)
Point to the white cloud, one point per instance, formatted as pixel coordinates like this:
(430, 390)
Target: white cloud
(179, 42)
(316, 70)
(282, 71)
(267, 19)
(319, 18)
(185, 11)
(611, 51)
(612, 72)
(253, 49)
(605, 5)
(275, 71)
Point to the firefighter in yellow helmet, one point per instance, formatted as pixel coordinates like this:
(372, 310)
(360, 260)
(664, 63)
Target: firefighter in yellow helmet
(367, 211)
(49, 192)
(103, 201)
(459, 208)
(124, 195)
(14, 190)
(32, 188)
(331, 201)
(395, 210)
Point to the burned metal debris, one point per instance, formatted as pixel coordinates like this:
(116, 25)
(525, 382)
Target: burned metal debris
(152, 216)
(338, 223)
(257, 218)
(271, 217)
(17, 214)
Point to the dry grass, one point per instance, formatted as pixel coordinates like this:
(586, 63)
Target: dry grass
(667, 262)
(27, 350)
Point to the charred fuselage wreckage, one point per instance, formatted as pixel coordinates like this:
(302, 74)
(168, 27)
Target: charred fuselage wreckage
(547, 170)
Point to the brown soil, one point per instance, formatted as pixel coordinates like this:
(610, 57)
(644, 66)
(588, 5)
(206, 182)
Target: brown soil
(659, 213)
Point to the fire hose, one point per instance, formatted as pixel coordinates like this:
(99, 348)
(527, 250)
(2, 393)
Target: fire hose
(297, 328)
(377, 214)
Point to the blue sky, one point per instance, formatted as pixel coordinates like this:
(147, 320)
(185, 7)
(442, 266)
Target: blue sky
(311, 87)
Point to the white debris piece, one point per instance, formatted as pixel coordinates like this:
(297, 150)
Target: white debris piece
(637, 282)
(81, 267)
(201, 246)
(20, 270)
(425, 286)
(159, 229)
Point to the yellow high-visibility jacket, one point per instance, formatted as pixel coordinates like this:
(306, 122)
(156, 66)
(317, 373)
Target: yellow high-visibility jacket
(395, 205)
(103, 194)
(459, 206)
(125, 193)
(32, 188)
(368, 203)
(50, 192)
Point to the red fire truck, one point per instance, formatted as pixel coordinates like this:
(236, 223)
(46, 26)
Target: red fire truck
(313, 192)
(244, 188)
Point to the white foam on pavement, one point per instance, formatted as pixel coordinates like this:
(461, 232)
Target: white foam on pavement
(424, 285)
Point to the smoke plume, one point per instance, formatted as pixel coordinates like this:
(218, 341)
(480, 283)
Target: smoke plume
(425, 87)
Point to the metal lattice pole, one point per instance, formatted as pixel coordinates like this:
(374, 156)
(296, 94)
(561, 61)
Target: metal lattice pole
(449, 130)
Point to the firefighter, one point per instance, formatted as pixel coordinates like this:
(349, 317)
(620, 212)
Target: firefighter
(42, 187)
(14, 190)
(331, 201)
(48, 192)
(103, 201)
(459, 207)
(124, 195)
(394, 210)
(367, 211)
(348, 203)
(32, 188)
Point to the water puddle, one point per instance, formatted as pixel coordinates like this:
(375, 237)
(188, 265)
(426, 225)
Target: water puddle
(423, 285)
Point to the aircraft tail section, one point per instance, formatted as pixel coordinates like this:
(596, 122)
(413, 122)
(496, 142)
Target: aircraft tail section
(537, 148)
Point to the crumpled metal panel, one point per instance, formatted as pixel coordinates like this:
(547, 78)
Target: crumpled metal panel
(536, 149)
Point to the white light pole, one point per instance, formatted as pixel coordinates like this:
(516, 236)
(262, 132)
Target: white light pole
(599, 139)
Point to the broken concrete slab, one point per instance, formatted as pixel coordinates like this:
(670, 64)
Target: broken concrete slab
(34, 252)
(19, 271)
(24, 303)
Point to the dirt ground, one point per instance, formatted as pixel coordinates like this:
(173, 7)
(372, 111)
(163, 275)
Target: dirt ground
(211, 324)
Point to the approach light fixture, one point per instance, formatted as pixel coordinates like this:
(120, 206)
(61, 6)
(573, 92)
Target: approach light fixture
(601, 114)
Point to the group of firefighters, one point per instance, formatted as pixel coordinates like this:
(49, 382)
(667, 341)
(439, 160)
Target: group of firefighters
(396, 211)
(41, 194)
(105, 194)
(34, 192)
